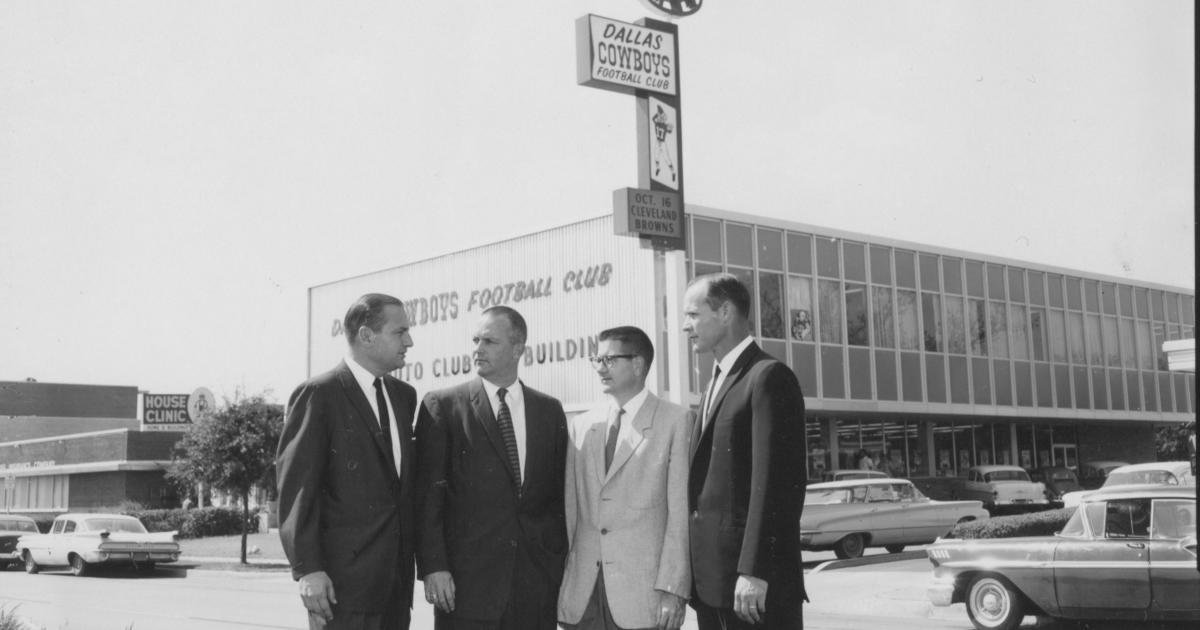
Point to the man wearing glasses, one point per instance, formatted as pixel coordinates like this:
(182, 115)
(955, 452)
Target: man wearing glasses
(626, 499)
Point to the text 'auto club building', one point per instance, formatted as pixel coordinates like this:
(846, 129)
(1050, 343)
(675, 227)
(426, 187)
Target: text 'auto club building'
(931, 359)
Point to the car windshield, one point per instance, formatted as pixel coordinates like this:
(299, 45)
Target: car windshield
(1074, 527)
(827, 496)
(1007, 475)
(1159, 477)
(15, 525)
(125, 525)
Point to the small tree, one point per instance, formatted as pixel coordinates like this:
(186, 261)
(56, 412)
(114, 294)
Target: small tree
(232, 450)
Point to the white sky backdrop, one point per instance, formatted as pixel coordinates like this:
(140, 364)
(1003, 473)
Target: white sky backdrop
(175, 175)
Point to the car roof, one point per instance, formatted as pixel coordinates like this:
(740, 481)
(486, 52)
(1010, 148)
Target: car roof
(1171, 466)
(16, 517)
(995, 467)
(88, 515)
(850, 483)
(1134, 491)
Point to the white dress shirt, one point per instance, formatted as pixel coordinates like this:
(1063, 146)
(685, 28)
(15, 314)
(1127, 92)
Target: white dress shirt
(366, 381)
(631, 410)
(515, 398)
(726, 364)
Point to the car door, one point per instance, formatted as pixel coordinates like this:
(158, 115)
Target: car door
(1174, 581)
(60, 543)
(44, 552)
(1107, 572)
(884, 518)
(919, 515)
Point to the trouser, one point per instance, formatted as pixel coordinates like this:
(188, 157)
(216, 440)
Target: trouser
(532, 603)
(597, 615)
(396, 618)
(779, 616)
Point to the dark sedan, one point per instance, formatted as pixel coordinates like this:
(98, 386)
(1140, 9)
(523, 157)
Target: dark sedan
(1127, 553)
(1058, 480)
(12, 527)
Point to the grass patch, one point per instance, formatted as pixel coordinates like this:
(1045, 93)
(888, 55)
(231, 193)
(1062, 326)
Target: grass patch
(269, 547)
(1045, 523)
(10, 621)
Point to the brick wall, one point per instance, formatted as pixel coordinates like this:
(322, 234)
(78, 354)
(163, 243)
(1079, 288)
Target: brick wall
(62, 399)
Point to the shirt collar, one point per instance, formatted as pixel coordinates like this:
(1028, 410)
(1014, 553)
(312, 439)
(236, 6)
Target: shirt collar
(732, 356)
(633, 406)
(514, 391)
(365, 379)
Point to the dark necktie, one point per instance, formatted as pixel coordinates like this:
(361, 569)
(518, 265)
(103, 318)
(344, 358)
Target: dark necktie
(708, 396)
(610, 446)
(385, 422)
(504, 420)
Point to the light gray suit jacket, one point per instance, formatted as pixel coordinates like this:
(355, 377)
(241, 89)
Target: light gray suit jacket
(633, 520)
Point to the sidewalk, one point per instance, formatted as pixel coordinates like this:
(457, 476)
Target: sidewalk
(886, 586)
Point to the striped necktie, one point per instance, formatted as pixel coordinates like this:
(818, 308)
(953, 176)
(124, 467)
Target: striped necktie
(504, 420)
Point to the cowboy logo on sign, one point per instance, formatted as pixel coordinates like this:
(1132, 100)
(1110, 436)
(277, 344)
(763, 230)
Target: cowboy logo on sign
(681, 8)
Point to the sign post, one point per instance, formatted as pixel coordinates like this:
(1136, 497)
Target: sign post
(10, 484)
(642, 59)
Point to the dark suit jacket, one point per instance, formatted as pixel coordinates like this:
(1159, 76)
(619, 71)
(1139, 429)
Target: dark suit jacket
(342, 509)
(746, 487)
(471, 517)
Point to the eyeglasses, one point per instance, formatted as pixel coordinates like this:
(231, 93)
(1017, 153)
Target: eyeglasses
(609, 359)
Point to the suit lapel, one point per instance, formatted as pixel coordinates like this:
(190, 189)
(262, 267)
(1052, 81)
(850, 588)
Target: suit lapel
(594, 442)
(642, 423)
(704, 425)
(366, 417)
(481, 407)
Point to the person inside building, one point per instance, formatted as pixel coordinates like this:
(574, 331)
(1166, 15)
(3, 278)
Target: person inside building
(627, 568)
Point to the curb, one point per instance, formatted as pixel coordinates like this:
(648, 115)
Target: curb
(869, 560)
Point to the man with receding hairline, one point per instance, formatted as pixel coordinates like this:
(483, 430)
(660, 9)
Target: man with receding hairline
(748, 470)
(346, 474)
(492, 538)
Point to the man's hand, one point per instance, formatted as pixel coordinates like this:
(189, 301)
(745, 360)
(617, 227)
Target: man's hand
(316, 590)
(670, 611)
(439, 590)
(750, 598)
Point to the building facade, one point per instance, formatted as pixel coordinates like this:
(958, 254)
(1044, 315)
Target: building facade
(930, 359)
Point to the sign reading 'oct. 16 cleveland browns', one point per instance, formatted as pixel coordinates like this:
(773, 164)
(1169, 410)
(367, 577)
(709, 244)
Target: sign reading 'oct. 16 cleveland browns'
(625, 57)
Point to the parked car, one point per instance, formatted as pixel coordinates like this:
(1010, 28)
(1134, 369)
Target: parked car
(1058, 480)
(82, 541)
(1000, 487)
(849, 516)
(1092, 474)
(852, 473)
(12, 527)
(1128, 552)
(1157, 473)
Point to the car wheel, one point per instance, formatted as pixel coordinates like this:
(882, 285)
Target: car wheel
(993, 605)
(849, 547)
(79, 568)
(31, 565)
(894, 548)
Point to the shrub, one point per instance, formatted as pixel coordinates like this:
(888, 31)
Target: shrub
(1032, 524)
(197, 522)
(10, 621)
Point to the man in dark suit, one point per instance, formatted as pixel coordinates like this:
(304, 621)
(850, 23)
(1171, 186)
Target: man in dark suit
(746, 487)
(492, 537)
(346, 472)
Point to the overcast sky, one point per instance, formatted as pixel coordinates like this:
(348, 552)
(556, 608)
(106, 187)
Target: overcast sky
(175, 175)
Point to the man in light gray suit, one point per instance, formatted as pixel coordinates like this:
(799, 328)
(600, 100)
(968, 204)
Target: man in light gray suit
(626, 499)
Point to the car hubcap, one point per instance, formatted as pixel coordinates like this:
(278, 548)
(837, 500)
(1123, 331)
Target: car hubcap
(991, 603)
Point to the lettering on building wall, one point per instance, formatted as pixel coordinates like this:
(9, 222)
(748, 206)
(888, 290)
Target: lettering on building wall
(536, 352)
(44, 463)
(444, 306)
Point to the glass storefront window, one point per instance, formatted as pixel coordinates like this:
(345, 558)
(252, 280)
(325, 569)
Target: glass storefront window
(1058, 337)
(881, 265)
(929, 273)
(1172, 307)
(1125, 299)
(905, 274)
(995, 277)
(1019, 339)
(952, 275)
(706, 240)
(857, 331)
(770, 250)
(1054, 288)
(931, 308)
(1074, 298)
(1189, 315)
(1160, 336)
(1016, 285)
(1145, 352)
(1037, 325)
(999, 329)
(977, 317)
(799, 249)
(739, 245)
(800, 303)
(1142, 301)
(830, 327)
(1036, 288)
(704, 269)
(974, 278)
(828, 264)
(770, 305)
(881, 315)
(956, 326)
(1091, 297)
(1075, 337)
(1095, 351)
(1156, 309)
(907, 318)
(1112, 351)
(1108, 298)
(854, 255)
